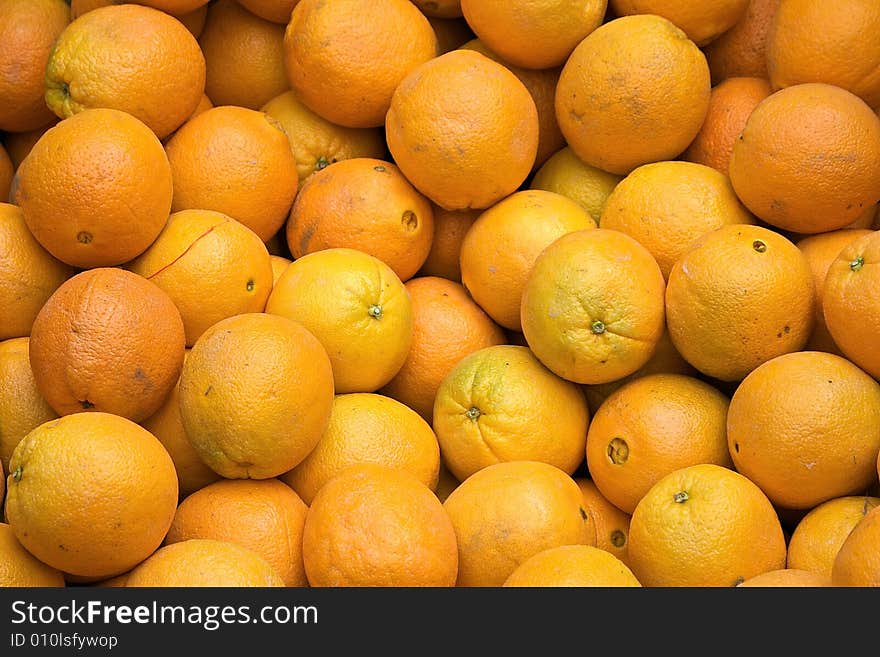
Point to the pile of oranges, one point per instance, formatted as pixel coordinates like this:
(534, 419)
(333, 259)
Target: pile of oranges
(449, 293)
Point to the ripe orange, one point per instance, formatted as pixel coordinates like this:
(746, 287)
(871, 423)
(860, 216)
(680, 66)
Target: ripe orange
(107, 340)
(858, 562)
(356, 306)
(277, 11)
(18, 567)
(89, 220)
(22, 407)
(731, 103)
(704, 525)
(534, 35)
(264, 516)
(463, 164)
(508, 512)
(650, 427)
(666, 206)
(367, 427)
(106, 514)
(805, 427)
(204, 563)
(374, 525)
(279, 264)
(28, 30)
(592, 306)
(817, 538)
(244, 56)
(28, 274)
(344, 59)
(315, 141)
(703, 22)
(738, 297)
(501, 404)
(236, 161)
(447, 326)
(741, 50)
(255, 395)
(446, 483)
(500, 248)
(612, 524)
(636, 90)
(153, 69)
(450, 227)
(211, 266)
(541, 85)
(19, 144)
(813, 41)
(786, 577)
(821, 250)
(366, 204)
(808, 158)
(851, 302)
(174, 7)
(572, 565)
(167, 425)
(565, 173)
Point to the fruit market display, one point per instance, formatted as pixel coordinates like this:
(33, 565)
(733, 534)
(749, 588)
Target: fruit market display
(460, 293)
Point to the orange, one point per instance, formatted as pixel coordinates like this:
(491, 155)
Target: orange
(28, 274)
(356, 306)
(650, 427)
(19, 568)
(664, 360)
(264, 516)
(667, 205)
(439, 8)
(366, 204)
(450, 227)
(858, 562)
(592, 307)
(344, 59)
(572, 565)
(204, 563)
(446, 483)
(636, 90)
(817, 537)
(174, 7)
(535, 35)
(107, 340)
(153, 69)
(19, 144)
(821, 250)
(741, 50)
(808, 159)
(375, 525)
(89, 220)
(211, 266)
(786, 577)
(277, 11)
(738, 297)
(703, 22)
(805, 427)
(279, 264)
(255, 395)
(451, 33)
(456, 163)
(813, 41)
(167, 425)
(244, 56)
(566, 174)
(502, 245)
(316, 142)
(236, 161)
(731, 103)
(106, 514)
(851, 302)
(704, 525)
(612, 524)
(510, 511)
(447, 326)
(501, 404)
(367, 427)
(541, 85)
(28, 30)
(22, 407)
